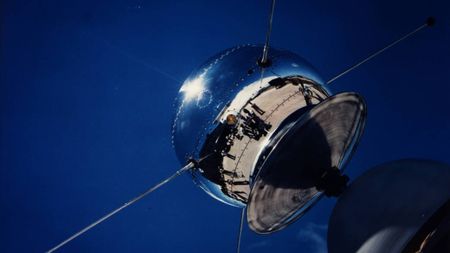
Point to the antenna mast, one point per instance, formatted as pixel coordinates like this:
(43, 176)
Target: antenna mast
(428, 23)
(190, 165)
(264, 60)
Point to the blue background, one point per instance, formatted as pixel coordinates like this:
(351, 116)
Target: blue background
(86, 103)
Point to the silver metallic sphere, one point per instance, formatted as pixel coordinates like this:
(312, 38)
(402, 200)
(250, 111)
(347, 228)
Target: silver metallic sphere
(227, 110)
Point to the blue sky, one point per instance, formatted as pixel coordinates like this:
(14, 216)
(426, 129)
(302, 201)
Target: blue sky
(86, 102)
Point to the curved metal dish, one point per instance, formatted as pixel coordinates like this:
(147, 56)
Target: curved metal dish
(299, 155)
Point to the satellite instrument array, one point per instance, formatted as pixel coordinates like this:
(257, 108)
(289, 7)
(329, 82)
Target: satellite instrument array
(258, 128)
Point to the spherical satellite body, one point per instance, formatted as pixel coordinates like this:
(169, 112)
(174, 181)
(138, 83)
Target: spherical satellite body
(258, 129)
(269, 137)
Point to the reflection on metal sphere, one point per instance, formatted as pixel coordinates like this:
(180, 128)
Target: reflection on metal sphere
(303, 160)
(229, 108)
(231, 119)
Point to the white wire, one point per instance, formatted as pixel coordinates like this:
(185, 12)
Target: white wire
(377, 53)
(241, 223)
(132, 201)
(269, 31)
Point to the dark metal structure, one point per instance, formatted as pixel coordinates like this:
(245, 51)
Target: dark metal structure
(400, 207)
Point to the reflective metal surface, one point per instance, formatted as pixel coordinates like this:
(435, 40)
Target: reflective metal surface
(229, 107)
(317, 143)
(393, 207)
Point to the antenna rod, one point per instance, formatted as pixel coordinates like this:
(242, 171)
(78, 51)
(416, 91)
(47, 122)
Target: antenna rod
(189, 166)
(429, 22)
(241, 223)
(269, 31)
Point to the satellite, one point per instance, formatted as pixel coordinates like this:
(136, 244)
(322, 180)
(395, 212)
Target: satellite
(258, 128)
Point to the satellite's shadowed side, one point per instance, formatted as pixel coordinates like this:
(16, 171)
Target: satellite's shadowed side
(260, 130)
(304, 154)
(399, 207)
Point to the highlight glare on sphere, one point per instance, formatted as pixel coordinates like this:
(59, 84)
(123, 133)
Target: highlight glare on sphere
(225, 85)
(193, 89)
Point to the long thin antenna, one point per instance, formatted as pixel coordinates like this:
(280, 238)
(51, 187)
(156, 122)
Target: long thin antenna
(429, 22)
(189, 166)
(269, 31)
(241, 223)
